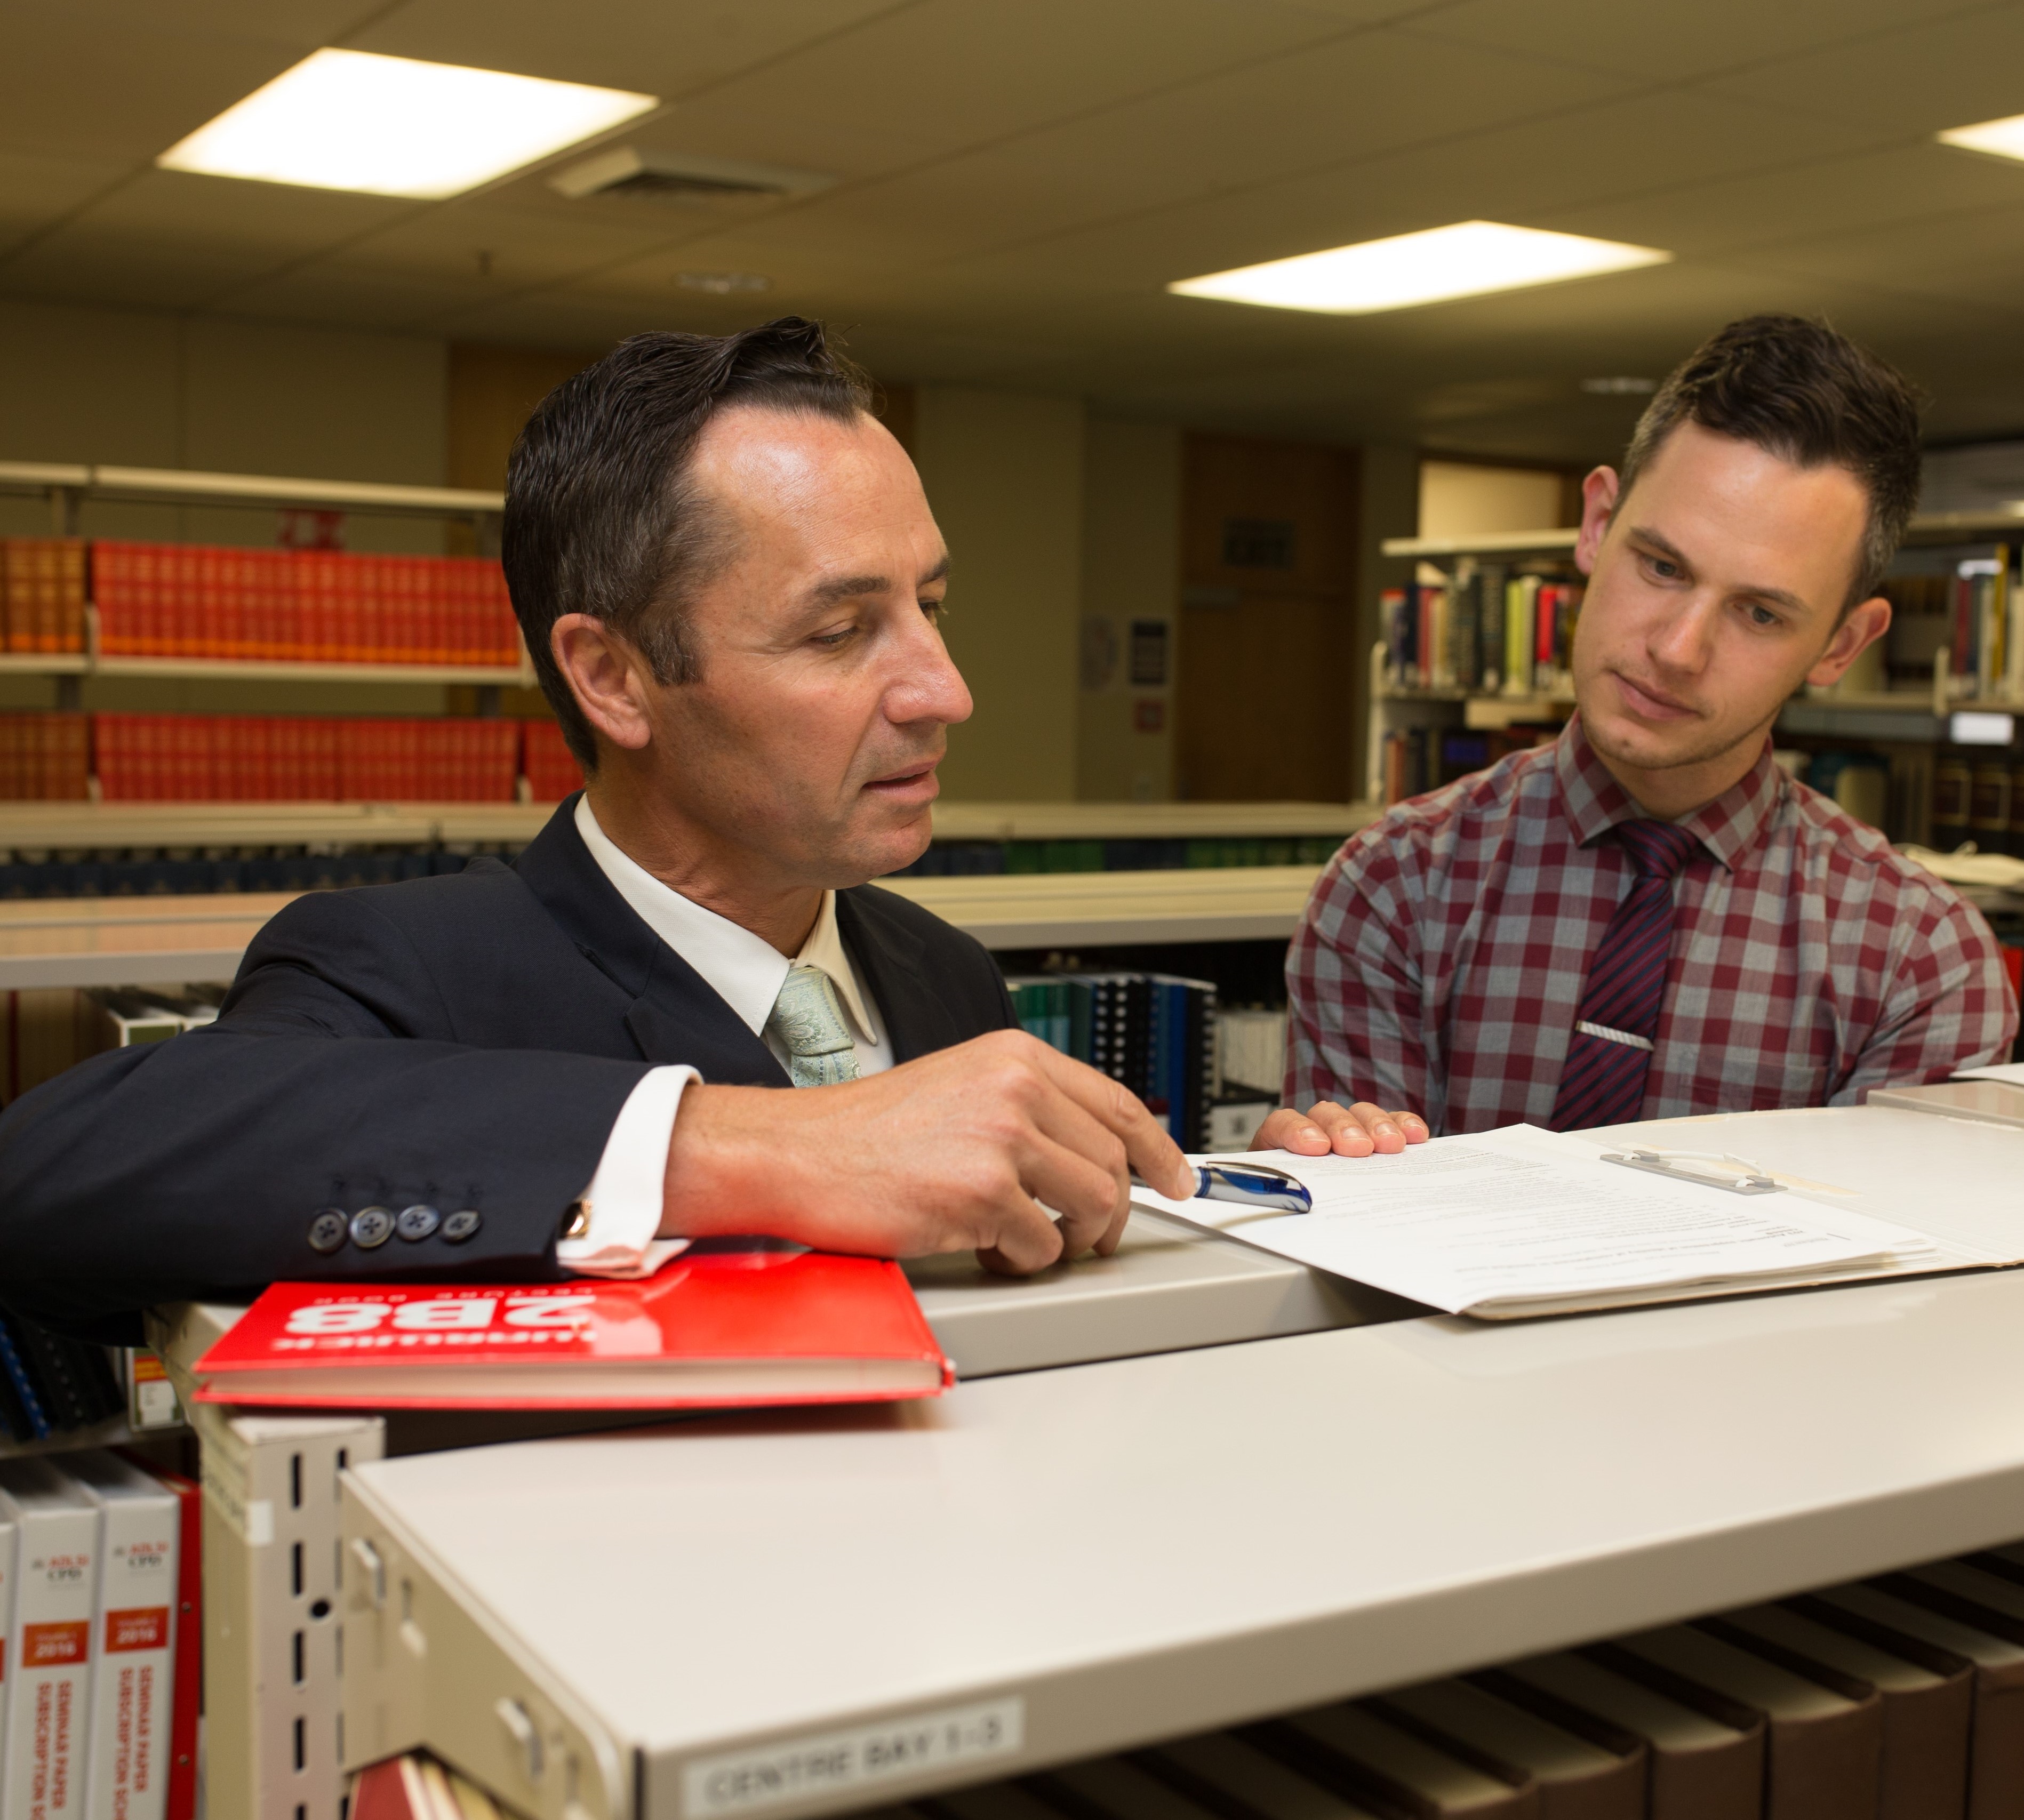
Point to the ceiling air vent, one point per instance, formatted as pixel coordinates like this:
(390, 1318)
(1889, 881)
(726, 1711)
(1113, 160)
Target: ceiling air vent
(635, 171)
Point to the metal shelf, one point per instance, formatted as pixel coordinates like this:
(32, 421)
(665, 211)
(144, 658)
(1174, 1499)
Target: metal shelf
(189, 487)
(128, 941)
(1938, 528)
(261, 670)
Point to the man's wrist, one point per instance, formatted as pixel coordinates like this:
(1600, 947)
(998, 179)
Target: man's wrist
(729, 1170)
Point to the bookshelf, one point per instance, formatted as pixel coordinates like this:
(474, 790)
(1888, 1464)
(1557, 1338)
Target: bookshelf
(1907, 731)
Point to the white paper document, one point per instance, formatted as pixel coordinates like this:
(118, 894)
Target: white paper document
(2013, 1072)
(1524, 1221)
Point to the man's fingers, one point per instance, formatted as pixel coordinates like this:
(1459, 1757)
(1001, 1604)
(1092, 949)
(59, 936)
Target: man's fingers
(1414, 1127)
(1286, 1130)
(1149, 1150)
(1085, 1195)
(1358, 1130)
(1028, 1241)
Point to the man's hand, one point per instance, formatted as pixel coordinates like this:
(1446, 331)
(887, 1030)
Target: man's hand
(1356, 1130)
(980, 1146)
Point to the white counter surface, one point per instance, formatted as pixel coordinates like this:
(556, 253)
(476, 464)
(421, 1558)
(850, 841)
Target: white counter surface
(1153, 1545)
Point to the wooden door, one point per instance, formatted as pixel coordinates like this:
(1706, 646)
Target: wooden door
(1266, 685)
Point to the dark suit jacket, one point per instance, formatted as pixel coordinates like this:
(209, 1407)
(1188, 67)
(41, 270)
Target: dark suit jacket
(462, 1042)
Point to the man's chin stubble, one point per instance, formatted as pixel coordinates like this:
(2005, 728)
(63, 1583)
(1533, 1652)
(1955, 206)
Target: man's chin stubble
(1707, 750)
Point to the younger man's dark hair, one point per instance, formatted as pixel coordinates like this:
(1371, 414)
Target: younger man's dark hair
(601, 516)
(1810, 396)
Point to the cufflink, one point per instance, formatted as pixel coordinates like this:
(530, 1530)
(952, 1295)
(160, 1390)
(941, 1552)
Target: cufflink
(416, 1223)
(461, 1225)
(372, 1227)
(576, 1221)
(327, 1231)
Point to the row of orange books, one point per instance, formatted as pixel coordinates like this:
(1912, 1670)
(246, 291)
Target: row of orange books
(45, 758)
(245, 758)
(203, 601)
(42, 594)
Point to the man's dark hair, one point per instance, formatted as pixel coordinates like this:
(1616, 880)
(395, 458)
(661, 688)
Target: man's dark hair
(1809, 396)
(602, 514)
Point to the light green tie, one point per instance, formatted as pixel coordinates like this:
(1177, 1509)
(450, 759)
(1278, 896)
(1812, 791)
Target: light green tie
(809, 1023)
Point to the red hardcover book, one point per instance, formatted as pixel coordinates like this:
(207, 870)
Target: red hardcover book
(709, 1329)
(186, 1686)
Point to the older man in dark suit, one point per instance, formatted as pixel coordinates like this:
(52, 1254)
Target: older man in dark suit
(732, 585)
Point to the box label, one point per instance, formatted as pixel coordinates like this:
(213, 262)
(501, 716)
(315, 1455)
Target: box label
(49, 1646)
(744, 1781)
(145, 1628)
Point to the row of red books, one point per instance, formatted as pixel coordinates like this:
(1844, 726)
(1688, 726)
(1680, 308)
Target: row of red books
(547, 763)
(258, 758)
(42, 594)
(245, 758)
(202, 601)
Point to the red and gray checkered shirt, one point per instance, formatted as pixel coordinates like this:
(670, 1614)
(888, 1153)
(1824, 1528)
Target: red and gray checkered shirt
(1441, 958)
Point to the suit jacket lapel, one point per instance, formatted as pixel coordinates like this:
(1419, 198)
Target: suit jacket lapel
(675, 1015)
(888, 958)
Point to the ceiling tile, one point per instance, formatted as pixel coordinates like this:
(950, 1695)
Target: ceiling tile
(129, 269)
(647, 45)
(1223, 138)
(70, 89)
(1902, 183)
(1951, 72)
(1666, 43)
(35, 192)
(953, 74)
(1524, 173)
(505, 247)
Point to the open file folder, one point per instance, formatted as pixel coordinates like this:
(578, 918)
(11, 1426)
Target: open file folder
(1523, 1221)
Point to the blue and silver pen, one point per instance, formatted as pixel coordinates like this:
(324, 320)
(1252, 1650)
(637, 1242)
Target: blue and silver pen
(1251, 1184)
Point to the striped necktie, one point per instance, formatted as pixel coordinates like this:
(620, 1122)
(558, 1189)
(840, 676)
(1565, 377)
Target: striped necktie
(1603, 1081)
(809, 1023)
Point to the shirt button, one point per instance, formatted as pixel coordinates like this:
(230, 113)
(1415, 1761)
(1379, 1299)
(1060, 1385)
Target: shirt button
(417, 1222)
(327, 1231)
(371, 1227)
(461, 1225)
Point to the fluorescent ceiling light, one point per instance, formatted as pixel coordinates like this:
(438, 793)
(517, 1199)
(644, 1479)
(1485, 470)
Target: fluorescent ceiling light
(1999, 138)
(390, 126)
(1465, 259)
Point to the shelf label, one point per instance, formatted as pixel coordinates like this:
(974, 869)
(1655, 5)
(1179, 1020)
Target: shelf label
(745, 1781)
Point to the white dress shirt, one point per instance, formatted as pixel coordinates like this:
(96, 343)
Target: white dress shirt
(746, 972)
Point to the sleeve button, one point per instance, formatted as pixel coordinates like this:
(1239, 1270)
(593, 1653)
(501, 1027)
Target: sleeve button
(327, 1231)
(372, 1227)
(416, 1223)
(461, 1225)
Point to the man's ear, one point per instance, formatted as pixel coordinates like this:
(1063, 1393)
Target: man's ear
(1598, 502)
(607, 676)
(1863, 627)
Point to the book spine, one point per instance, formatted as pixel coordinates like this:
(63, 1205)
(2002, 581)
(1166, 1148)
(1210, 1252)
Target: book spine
(48, 1704)
(26, 1394)
(126, 1776)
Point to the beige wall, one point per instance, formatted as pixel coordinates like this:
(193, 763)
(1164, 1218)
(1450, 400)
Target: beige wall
(1004, 475)
(1459, 499)
(1130, 570)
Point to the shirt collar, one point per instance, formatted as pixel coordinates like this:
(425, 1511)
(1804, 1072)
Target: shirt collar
(1594, 802)
(746, 970)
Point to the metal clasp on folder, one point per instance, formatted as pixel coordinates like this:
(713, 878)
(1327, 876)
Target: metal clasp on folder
(1753, 1180)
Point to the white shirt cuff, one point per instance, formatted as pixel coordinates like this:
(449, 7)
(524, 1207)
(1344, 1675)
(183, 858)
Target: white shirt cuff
(623, 1202)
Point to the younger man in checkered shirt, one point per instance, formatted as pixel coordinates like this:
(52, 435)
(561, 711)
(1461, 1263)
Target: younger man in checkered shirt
(1453, 959)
